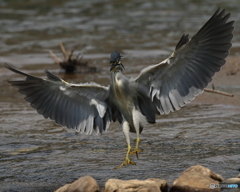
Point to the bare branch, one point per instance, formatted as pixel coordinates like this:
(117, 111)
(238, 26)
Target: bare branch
(54, 57)
(218, 92)
(65, 53)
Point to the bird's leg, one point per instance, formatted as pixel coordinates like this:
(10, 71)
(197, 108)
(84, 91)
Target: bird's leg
(126, 161)
(136, 122)
(136, 149)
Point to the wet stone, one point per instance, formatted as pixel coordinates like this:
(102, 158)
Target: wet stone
(83, 184)
(196, 178)
(148, 185)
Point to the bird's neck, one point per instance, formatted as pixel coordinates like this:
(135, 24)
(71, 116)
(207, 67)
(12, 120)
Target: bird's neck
(115, 77)
(117, 68)
(118, 82)
(119, 86)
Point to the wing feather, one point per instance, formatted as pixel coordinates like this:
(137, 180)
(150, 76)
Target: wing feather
(83, 107)
(177, 80)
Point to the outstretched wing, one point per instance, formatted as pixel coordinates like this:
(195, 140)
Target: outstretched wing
(177, 80)
(83, 107)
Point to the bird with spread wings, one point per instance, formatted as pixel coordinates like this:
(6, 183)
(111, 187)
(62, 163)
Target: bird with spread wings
(158, 89)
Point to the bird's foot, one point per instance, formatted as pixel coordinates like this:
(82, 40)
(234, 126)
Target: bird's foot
(136, 151)
(127, 161)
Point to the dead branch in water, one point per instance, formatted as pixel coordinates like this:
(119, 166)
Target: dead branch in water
(70, 63)
(54, 57)
(218, 92)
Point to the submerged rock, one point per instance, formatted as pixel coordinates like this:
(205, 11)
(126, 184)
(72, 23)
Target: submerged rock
(197, 178)
(83, 184)
(148, 185)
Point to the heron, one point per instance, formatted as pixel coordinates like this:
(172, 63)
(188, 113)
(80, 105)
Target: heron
(158, 89)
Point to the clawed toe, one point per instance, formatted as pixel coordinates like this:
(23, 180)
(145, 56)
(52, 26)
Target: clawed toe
(127, 161)
(136, 151)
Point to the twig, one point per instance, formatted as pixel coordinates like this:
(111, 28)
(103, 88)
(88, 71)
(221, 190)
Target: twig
(65, 53)
(70, 55)
(218, 92)
(54, 57)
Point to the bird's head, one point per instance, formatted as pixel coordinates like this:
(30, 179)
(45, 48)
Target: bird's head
(115, 62)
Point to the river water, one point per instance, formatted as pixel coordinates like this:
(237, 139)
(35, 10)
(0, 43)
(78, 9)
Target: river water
(38, 155)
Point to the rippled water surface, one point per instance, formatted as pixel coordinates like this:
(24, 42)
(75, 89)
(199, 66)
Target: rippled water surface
(38, 155)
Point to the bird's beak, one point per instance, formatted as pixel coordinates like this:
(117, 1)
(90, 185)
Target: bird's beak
(122, 65)
(113, 65)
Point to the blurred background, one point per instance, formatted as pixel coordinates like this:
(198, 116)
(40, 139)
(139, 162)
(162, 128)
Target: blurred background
(38, 155)
(138, 29)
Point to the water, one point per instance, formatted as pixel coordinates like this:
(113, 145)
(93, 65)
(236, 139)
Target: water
(38, 155)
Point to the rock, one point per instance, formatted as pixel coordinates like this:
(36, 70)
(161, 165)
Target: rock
(64, 188)
(232, 183)
(83, 184)
(148, 185)
(196, 178)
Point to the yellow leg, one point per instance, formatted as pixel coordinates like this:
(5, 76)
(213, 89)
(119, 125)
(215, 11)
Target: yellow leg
(127, 160)
(136, 150)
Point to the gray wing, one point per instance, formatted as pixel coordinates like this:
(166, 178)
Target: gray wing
(177, 80)
(83, 107)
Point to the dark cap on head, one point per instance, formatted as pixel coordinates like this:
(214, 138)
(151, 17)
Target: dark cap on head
(115, 57)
